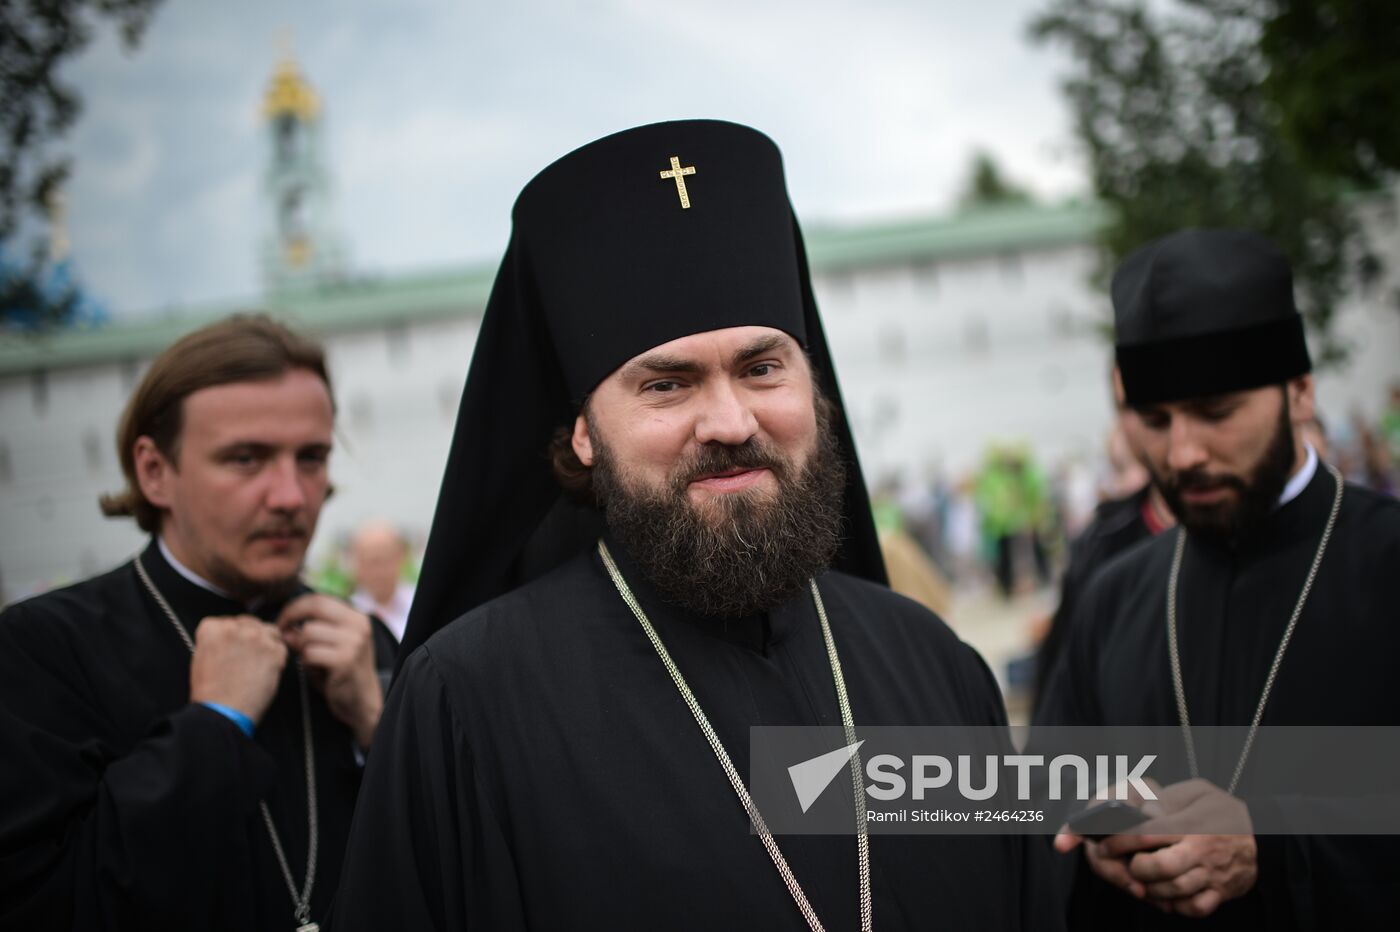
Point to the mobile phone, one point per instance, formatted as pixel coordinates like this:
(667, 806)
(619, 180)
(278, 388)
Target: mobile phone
(1111, 818)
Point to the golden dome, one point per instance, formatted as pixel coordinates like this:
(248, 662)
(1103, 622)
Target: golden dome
(289, 94)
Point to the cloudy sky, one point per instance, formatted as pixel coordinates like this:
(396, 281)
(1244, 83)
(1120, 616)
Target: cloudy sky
(437, 112)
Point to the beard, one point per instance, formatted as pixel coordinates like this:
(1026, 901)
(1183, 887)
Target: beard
(738, 553)
(229, 577)
(1256, 495)
(231, 580)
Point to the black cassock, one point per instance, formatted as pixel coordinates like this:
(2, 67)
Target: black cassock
(1118, 524)
(127, 807)
(537, 768)
(1233, 606)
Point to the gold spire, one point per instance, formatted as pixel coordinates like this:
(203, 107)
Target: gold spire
(289, 94)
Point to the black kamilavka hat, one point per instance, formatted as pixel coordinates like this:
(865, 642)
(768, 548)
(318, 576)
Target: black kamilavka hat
(627, 243)
(1205, 312)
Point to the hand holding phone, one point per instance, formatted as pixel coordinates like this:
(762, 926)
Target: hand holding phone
(1111, 818)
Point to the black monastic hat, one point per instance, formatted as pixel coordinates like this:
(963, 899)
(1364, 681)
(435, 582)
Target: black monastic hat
(630, 242)
(1205, 312)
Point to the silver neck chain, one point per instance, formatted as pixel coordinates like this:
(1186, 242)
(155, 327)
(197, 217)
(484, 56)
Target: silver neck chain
(301, 902)
(1174, 651)
(745, 799)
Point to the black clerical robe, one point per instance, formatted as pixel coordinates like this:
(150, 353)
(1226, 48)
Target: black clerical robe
(1234, 603)
(127, 807)
(1117, 525)
(536, 768)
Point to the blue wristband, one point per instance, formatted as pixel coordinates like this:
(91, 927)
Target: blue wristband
(244, 723)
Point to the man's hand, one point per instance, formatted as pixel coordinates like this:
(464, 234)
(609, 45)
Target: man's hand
(336, 647)
(237, 662)
(1198, 872)
(1190, 874)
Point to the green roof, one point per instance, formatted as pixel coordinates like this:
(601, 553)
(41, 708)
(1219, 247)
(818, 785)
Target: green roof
(358, 304)
(460, 292)
(979, 231)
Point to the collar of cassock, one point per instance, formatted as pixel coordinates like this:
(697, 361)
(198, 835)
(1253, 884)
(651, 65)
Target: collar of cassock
(760, 632)
(1297, 519)
(191, 600)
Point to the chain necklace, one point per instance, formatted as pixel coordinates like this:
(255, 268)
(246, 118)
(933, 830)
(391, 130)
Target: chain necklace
(746, 800)
(301, 902)
(1172, 649)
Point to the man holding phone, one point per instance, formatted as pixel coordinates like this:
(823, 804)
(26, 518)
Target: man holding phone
(1273, 603)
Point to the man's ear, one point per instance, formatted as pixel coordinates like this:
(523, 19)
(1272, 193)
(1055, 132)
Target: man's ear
(1120, 395)
(581, 441)
(153, 472)
(1302, 398)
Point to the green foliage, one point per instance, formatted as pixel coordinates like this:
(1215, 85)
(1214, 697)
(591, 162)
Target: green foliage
(1178, 132)
(331, 577)
(37, 108)
(1334, 74)
(986, 186)
(27, 305)
(331, 574)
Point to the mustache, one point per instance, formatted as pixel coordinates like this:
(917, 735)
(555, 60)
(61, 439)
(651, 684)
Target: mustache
(719, 458)
(289, 528)
(1200, 480)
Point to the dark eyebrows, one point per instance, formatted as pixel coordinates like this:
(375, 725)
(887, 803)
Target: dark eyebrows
(661, 362)
(1210, 402)
(758, 347)
(257, 448)
(1196, 406)
(244, 446)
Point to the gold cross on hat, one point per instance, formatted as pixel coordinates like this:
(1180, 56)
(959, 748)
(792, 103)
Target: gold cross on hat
(679, 174)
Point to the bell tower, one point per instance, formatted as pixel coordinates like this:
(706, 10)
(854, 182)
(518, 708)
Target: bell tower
(300, 249)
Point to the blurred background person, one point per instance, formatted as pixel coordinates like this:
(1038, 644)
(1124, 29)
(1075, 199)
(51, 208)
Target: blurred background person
(1390, 423)
(912, 572)
(1123, 475)
(379, 561)
(1014, 500)
(1120, 522)
(1314, 432)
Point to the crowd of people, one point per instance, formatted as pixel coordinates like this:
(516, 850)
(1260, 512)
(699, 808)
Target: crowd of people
(653, 535)
(1010, 524)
